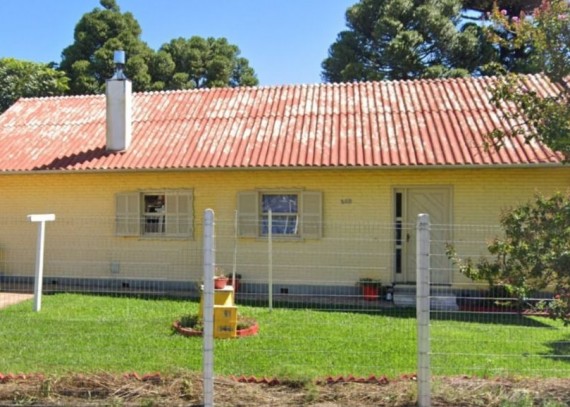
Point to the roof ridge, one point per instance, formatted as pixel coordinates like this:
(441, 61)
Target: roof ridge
(56, 97)
(483, 78)
(251, 88)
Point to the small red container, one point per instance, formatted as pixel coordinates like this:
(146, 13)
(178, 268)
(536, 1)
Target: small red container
(370, 292)
(220, 282)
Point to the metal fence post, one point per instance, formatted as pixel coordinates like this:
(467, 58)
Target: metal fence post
(422, 308)
(208, 311)
(270, 258)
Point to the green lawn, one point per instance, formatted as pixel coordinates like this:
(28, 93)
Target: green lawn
(82, 333)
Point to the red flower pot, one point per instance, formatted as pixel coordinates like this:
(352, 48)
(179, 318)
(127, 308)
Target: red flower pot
(220, 282)
(370, 292)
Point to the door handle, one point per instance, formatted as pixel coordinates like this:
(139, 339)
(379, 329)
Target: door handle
(407, 237)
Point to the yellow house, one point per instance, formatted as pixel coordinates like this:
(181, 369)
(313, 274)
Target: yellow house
(128, 177)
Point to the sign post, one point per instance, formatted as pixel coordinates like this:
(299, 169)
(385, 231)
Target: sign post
(41, 220)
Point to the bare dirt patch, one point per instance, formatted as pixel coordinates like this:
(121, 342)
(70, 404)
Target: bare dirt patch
(186, 390)
(7, 299)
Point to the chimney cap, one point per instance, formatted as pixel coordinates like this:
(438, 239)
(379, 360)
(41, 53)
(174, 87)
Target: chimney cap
(119, 60)
(119, 57)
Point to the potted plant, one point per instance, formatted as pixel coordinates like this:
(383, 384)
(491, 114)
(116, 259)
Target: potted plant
(370, 288)
(234, 283)
(220, 279)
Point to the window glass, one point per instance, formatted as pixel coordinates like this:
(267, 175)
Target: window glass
(154, 214)
(398, 204)
(285, 215)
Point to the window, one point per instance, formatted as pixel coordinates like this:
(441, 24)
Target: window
(398, 231)
(293, 214)
(154, 216)
(284, 215)
(164, 213)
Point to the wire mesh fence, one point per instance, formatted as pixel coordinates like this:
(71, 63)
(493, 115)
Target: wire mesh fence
(483, 330)
(110, 303)
(495, 335)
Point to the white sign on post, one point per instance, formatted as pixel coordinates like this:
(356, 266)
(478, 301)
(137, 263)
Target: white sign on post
(41, 220)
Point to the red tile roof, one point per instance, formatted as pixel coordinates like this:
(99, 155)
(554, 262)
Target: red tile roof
(371, 124)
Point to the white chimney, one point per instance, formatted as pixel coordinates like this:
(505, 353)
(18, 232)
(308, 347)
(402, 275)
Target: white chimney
(119, 104)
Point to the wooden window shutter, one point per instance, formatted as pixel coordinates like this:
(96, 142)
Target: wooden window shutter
(248, 214)
(312, 215)
(127, 212)
(179, 213)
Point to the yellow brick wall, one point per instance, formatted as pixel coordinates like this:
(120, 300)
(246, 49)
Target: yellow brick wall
(86, 246)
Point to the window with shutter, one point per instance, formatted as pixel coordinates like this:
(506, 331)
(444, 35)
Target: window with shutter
(293, 214)
(165, 213)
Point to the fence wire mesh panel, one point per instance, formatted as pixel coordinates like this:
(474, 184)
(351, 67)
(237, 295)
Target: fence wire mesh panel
(342, 303)
(110, 301)
(318, 319)
(483, 330)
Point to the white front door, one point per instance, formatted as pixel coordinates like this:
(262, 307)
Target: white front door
(409, 203)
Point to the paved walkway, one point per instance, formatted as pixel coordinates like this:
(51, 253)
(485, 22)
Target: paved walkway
(7, 299)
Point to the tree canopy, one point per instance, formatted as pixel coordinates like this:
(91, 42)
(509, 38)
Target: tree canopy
(547, 33)
(28, 79)
(512, 7)
(200, 62)
(180, 64)
(406, 39)
(86, 64)
(89, 60)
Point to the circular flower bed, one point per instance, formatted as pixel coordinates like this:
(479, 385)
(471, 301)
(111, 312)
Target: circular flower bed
(192, 325)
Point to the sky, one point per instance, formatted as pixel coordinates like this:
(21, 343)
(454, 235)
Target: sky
(284, 41)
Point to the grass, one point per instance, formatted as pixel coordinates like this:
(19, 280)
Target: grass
(82, 333)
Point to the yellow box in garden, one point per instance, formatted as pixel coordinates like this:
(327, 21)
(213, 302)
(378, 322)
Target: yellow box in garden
(225, 312)
(225, 321)
(222, 298)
